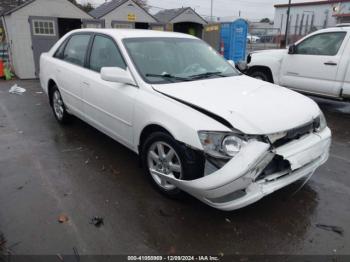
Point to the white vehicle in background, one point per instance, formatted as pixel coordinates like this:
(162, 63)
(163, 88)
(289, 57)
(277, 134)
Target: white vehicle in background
(252, 39)
(318, 64)
(197, 124)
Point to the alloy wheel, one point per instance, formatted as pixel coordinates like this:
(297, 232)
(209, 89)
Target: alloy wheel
(162, 158)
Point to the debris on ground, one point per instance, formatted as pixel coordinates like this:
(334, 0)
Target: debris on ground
(20, 187)
(75, 250)
(39, 92)
(97, 221)
(2, 244)
(59, 257)
(15, 89)
(115, 172)
(87, 162)
(164, 214)
(72, 150)
(227, 220)
(63, 219)
(334, 229)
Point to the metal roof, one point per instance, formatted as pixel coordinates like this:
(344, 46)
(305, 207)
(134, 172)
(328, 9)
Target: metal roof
(24, 3)
(106, 8)
(8, 5)
(167, 15)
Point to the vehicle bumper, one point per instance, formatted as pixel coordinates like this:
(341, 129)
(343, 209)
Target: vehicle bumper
(235, 185)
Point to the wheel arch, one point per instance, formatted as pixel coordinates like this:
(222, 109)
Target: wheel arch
(50, 87)
(264, 69)
(149, 129)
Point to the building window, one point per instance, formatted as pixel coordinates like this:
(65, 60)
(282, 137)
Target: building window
(122, 25)
(93, 25)
(43, 27)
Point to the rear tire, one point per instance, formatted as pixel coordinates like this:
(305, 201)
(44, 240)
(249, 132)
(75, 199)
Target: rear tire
(58, 107)
(162, 153)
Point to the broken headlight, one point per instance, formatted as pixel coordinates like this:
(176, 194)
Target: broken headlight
(221, 144)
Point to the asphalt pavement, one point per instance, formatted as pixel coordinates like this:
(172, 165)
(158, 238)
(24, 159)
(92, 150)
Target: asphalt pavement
(75, 173)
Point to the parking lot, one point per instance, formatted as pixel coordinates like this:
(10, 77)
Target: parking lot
(47, 171)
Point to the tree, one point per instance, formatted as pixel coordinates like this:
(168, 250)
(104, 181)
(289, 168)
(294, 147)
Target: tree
(86, 7)
(265, 20)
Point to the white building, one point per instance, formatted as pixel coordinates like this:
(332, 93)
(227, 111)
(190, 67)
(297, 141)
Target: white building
(309, 16)
(122, 14)
(34, 27)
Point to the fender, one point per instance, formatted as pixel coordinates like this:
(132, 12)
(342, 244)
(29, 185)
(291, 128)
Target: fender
(271, 59)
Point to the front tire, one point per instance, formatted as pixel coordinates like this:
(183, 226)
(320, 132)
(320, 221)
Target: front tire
(58, 107)
(261, 75)
(161, 153)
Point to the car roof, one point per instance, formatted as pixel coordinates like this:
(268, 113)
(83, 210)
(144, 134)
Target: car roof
(134, 33)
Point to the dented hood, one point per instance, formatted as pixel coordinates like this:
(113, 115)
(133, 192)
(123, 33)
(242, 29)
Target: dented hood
(249, 105)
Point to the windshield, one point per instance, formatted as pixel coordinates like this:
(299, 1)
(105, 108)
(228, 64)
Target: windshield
(164, 60)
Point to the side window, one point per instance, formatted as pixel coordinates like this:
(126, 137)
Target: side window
(326, 44)
(76, 49)
(105, 53)
(60, 50)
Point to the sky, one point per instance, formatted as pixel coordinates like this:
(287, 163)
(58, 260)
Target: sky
(250, 9)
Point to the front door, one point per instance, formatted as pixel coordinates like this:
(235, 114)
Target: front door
(44, 32)
(314, 66)
(108, 105)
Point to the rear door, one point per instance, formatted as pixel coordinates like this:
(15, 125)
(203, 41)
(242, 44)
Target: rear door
(70, 71)
(314, 66)
(44, 32)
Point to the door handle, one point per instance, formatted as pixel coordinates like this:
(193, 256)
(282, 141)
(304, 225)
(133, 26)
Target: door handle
(58, 70)
(330, 63)
(86, 84)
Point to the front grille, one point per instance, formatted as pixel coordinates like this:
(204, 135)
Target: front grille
(278, 164)
(298, 132)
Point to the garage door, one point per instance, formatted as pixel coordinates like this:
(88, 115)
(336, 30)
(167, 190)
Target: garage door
(44, 36)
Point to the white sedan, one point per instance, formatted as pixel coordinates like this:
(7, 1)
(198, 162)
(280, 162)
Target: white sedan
(198, 125)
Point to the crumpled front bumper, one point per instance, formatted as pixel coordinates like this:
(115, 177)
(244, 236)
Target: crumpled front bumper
(235, 185)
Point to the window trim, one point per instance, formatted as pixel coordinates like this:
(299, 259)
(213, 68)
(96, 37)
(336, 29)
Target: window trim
(44, 21)
(90, 51)
(66, 41)
(343, 32)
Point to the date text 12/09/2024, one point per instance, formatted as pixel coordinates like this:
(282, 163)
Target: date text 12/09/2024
(173, 258)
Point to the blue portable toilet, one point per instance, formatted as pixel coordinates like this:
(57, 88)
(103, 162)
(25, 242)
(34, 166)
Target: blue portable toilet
(234, 37)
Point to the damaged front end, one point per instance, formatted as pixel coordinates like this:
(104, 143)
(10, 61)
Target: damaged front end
(246, 170)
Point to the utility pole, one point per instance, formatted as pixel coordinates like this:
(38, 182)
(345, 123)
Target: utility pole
(287, 23)
(211, 10)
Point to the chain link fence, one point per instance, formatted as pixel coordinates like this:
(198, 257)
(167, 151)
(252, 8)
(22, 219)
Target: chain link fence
(263, 38)
(273, 38)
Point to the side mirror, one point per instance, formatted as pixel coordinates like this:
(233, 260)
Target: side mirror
(242, 66)
(292, 50)
(231, 62)
(117, 75)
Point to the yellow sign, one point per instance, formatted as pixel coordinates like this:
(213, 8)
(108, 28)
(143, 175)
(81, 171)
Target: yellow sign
(131, 17)
(212, 28)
